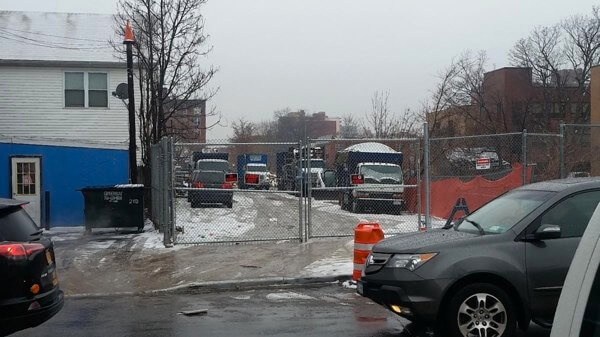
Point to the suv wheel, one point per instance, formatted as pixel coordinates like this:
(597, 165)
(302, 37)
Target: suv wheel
(482, 310)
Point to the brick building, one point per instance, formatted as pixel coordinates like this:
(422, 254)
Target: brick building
(295, 125)
(511, 101)
(188, 123)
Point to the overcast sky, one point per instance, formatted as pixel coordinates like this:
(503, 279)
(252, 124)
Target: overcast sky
(331, 55)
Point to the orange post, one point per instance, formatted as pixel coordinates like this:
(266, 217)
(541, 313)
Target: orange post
(365, 236)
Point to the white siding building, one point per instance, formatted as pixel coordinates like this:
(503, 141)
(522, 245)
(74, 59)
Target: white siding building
(60, 127)
(57, 75)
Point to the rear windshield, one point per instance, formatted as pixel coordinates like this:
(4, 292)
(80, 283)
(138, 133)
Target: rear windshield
(209, 177)
(213, 166)
(16, 225)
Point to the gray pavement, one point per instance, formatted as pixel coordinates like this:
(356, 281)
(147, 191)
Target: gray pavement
(328, 310)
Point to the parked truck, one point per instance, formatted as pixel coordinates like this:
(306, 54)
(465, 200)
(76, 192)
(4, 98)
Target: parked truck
(373, 174)
(289, 166)
(253, 172)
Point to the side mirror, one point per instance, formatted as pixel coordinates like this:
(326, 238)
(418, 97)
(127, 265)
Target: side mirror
(546, 232)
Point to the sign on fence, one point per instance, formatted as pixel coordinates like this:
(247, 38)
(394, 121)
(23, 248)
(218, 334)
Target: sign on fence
(483, 164)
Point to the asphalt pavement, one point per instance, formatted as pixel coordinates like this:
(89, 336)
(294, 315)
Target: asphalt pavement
(325, 310)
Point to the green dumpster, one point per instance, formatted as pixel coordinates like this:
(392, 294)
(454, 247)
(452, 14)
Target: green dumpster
(118, 206)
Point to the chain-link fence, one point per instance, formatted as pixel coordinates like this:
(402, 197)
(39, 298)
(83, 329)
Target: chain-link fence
(467, 172)
(161, 212)
(222, 192)
(237, 192)
(543, 156)
(580, 150)
(354, 180)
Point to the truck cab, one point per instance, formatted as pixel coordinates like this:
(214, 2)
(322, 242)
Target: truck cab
(373, 176)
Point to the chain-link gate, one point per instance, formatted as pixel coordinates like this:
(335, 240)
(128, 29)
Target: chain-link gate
(243, 192)
(237, 192)
(354, 180)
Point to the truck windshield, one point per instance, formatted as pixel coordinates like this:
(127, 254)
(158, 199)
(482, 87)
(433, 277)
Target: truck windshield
(314, 163)
(502, 213)
(212, 166)
(381, 174)
(256, 168)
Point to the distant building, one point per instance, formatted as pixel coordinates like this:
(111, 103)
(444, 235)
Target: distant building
(296, 125)
(188, 123)
(513, 102)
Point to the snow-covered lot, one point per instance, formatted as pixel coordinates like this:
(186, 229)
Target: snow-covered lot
(274, 216)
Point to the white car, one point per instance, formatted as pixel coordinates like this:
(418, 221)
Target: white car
(578, 312)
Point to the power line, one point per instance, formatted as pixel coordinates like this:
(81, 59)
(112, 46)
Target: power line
(62, 37)
(48, 46)
(52, 43)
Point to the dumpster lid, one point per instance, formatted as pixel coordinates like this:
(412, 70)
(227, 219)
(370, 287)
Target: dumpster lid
(106, 187)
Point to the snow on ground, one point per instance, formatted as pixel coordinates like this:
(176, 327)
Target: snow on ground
(338, 263)
(215, 224)
(403, 223)
(349, 284)
(284, 296)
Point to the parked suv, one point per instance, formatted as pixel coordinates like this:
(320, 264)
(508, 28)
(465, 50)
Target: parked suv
(503, 265)
(29, 292)
(212, 187)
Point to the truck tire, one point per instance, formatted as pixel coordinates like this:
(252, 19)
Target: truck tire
(469, 310)
(229, 204)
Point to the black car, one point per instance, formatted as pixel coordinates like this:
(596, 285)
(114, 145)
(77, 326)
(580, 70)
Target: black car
(29, 291)
(212, 187)
(502, 266)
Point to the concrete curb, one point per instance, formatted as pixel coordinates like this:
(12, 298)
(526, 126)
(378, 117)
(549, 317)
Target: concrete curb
(225, 285)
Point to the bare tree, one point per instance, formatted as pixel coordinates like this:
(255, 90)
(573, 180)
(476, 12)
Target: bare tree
(243, 131)
(349, 127)
(582, 51)
(170, 46)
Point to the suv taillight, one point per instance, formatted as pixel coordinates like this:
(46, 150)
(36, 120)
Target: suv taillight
(197, 185)
(19, 251)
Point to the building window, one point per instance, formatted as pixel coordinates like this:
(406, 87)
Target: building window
(26, 178)
(98, 90)
(74, 90)
(83, 89)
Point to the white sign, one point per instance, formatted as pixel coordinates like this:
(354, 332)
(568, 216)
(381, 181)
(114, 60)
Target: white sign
(483, 164)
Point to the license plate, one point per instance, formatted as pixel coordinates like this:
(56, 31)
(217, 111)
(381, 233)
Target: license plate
(359, 288)
(397, 202)
(49, 257)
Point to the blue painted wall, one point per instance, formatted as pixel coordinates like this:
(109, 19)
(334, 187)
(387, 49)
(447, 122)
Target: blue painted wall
(65, 170)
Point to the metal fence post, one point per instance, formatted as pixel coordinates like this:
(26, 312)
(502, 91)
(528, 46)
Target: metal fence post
(524, 156)
(298, 186)
(164, 215)
(417, 153)
(309, 190)
(170, 189)
(562, 150)
(427, 177)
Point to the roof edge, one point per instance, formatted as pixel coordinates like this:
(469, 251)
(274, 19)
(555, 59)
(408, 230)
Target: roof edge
(64, 143)
(56, 63)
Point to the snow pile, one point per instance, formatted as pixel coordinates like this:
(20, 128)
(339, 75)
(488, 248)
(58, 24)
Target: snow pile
(370, 147)
(349, 284)
(284, 296)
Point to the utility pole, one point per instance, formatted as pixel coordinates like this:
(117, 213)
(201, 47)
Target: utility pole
(128, 42)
